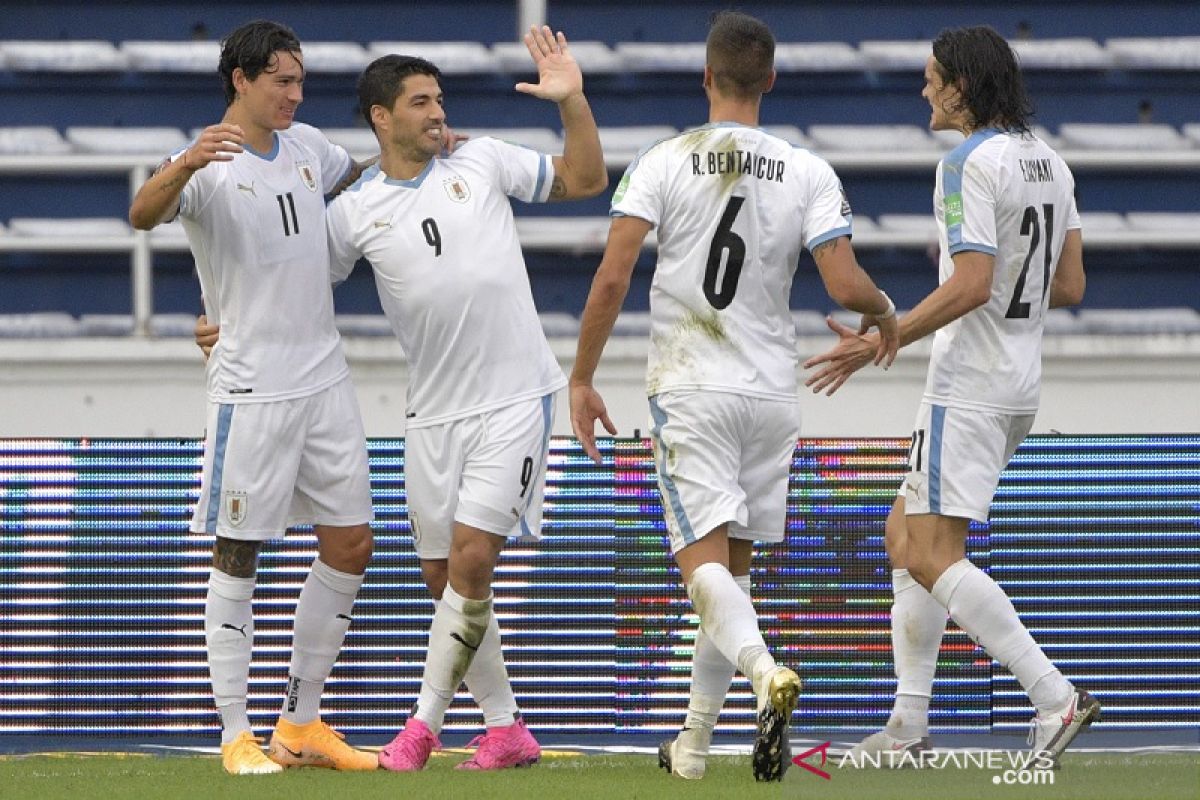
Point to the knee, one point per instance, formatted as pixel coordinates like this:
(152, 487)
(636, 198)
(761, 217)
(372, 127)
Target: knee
(348, 551)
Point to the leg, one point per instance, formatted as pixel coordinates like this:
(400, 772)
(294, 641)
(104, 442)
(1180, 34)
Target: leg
(321, 621)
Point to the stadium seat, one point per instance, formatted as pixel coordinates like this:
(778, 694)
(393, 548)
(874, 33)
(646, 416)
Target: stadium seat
(1073, 53)
(40, 325)
(62, 56)
(791, 134)
(871, 138)
(817, 57)
(345, 57)
(566, 234)
(632, 323)
(173, 326)
(810, 323)
(105, 324)
(31, 140)
(1062, 322)
(908, 223)
(359, 142)
(59, 228)
(1192, 132)
(1165, 221)
(1102, 136)
(559, 323)
(595, 58)
(1165, 53)
(157, 142)
(166, 56)
(452, 58)
(662, 56)
(543, 140)
(169, 236)
(622, 143)
(1102, 221)
(362, 325)
(1140, 321)
(895, 56)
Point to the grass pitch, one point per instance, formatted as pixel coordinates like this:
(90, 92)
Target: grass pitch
(603, 777)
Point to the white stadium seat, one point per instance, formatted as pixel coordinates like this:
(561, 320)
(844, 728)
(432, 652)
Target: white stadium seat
(790, 134)
(543, 140)
(632, 323)
(817, 57)
(622, 143)
(62, 56)
(452, 58)
(1073, 53)
(662, 56)
(901, 56)
(810, 323)
(169, 236)
(907, 223)
(39, 325)
(32, 140)
(168, 56)
(559, 323)
(1113, 136)
(1140, 321)
(175, 326)
(58, 228)
(595, 58)
(359, 142)
(1102, 222)
(159, 142)
(871, 138)
(1192, 132)
(334, 57)
(1061, 322)
(105, 324)
(1165, 52)
(1165, 221)
(564, 234)
(362, 325)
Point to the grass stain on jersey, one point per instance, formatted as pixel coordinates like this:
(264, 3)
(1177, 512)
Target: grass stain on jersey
(709, 325)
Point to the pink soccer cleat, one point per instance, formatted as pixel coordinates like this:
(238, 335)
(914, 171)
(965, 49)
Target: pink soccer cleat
(501, 748)
(409, 751)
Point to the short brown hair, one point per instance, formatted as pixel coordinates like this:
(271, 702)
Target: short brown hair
(741, 53)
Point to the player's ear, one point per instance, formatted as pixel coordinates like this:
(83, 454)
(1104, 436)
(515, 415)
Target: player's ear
(239, 80)
(770, 84)
(380, 117)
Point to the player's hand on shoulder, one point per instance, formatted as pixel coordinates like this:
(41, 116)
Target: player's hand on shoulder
(206, 335)
(587, 406)
(451, 139)
(216, 143)
(559, 76)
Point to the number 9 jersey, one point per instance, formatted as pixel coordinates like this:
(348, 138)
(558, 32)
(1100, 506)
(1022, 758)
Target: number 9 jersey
(733, 206)
(1012, 197)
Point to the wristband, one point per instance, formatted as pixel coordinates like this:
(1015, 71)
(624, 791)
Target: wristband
(891, 307)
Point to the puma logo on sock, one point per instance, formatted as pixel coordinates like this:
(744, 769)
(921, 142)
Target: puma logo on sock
(227, 627)
(463, 642)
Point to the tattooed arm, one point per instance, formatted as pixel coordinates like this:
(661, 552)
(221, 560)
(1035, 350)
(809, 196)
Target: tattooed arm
(158, 199)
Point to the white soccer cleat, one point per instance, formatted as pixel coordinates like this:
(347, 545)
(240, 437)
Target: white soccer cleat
(685, 755)
(886, 751)
(1051, 734)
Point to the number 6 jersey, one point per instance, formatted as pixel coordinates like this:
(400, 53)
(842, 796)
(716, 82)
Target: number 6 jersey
(1010, 196)
(733, 206)
(451, 277)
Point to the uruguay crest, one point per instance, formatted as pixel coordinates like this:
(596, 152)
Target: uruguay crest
(457, 189)
(307, 175)
(235, 507)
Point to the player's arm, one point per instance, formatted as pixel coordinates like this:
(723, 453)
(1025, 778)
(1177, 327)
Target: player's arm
(607, 295)
(579, 171)
(851, 287)
(158, 199)
(1069, 281)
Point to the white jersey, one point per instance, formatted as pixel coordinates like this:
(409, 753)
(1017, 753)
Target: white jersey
(451, 276)
(1012, 197)
(733, 206)
(256, 226)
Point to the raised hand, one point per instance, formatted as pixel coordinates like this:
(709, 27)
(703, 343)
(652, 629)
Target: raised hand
(216, 143)
(559, 76)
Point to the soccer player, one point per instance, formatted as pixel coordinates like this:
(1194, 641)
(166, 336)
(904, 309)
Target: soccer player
(734, 207)
(440, 236)
(284, 442)
(1010, 248)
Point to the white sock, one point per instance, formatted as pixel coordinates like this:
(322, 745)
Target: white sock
(455, 635)
(729, 620)
(983, 610)
(712, 674)
(487, 679)
(322, 618)
(229, 638)
(918, 622)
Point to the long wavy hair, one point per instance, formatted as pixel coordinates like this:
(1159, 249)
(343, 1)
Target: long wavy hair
(983, 66)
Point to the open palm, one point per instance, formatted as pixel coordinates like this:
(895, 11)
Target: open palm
(559, 75)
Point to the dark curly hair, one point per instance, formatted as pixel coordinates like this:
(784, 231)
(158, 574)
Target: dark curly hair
(251, 47)
(982, 64)
(383, 81)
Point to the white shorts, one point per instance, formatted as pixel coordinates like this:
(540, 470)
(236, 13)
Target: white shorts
(723, 457)
(487, 471)
(268, 466)
(956, 458)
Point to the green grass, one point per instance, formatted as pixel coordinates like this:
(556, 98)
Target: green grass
(611, 777)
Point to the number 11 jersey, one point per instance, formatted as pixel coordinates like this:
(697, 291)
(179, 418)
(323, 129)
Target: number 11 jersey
(733, 206)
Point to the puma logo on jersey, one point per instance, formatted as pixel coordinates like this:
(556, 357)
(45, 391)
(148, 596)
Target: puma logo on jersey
(383, 223)
(250, 189)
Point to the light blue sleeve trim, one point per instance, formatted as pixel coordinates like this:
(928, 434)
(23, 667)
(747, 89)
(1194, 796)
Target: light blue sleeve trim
(541, 179)
(952, 171)
(817, 241)
(973, 247)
